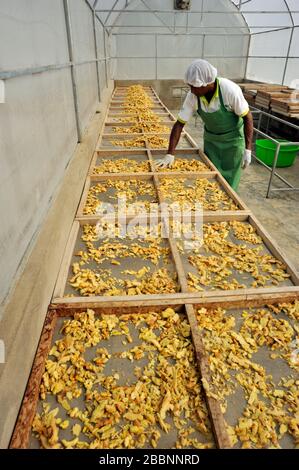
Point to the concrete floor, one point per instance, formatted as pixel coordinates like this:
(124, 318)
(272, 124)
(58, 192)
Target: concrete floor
(279, 214)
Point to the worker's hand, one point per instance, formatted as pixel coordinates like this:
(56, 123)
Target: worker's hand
(165, 162)
(246, 159)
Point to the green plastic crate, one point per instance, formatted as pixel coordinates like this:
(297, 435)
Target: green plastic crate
(265, 151)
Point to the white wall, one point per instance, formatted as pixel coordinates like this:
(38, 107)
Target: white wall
(37, 123)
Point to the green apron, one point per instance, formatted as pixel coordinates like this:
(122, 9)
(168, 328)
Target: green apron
(224, 142)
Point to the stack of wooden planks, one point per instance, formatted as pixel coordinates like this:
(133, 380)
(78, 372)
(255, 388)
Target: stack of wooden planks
(264, 98)
(286, 106)
(250, 97)
(278, 98)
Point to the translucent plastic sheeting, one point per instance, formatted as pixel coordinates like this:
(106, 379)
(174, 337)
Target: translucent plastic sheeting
(266, 69)
(126, 46)
(292, 73)
(177, 40)
(217, 30)
(278, 49)
(109, 17)
(262, 44)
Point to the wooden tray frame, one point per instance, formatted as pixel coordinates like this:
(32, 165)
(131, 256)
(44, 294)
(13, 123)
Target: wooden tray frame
(21, 435)
(58, 296)
(63, 306)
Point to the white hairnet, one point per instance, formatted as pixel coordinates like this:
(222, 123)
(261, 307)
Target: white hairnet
(200, 73)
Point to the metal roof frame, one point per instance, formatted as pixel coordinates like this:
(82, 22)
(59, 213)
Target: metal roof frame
(240, 9)
(156, 12)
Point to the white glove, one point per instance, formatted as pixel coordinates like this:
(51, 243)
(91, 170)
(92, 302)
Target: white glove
(165, 162)
(246, 159)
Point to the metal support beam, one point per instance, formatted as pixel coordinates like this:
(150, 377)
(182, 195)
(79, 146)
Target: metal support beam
(183, 34)
(287, 57)
(96, 53)
(273, 168)
(109, 14)
(199, 27)
(105, 52)
(278, 144)
(73, 70)
(157, 16)
(271, 30)
(201, 11)
(290, 42)
(206, 12)
(156, 53)
(194, 57)
(6, 75)
(99, 19)
(248, 52)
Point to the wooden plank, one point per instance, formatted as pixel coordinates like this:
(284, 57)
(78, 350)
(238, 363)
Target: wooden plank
(157, 186)
(119, 152)
(122, 108)
(250, 301)
(82, 202)
(261, 86)
(151, 162)
(66, 261)
(148, 133)
(121, 176)
(119, 123)
(125, 176)
(189, 151)
(225, 216)
(108, 310)
(21, 434)
(178, 264)
(143, 135)
(163, 174)
(213, 405)
(208, 216)
(115, 135)
(187, 174)
(201, 297)
(173, 248)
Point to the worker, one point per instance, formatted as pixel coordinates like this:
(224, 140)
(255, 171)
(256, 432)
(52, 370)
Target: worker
(228, 124)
